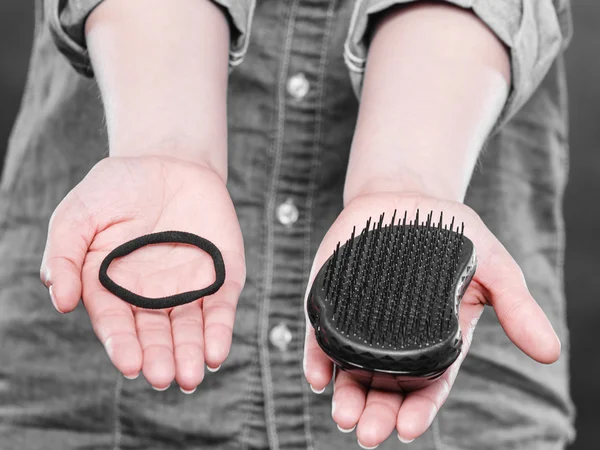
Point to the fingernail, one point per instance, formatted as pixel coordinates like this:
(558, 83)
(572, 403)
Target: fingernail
(367, 448)
(53, 299)
(161, 389)
(315, 391)
(133, 377)
(187, 392)
(405, 441)
(344, 430)
(211, 369)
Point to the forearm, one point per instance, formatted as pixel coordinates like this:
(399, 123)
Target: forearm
(162, 72)
(435, 83)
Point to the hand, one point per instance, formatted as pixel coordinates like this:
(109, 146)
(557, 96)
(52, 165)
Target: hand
(121, 199)
(498, 282)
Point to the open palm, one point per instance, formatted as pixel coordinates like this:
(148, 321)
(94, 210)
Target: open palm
(498, 282)
(124, 198)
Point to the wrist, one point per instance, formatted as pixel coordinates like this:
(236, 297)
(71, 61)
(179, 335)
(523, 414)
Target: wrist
(178, 148)
(404, 182)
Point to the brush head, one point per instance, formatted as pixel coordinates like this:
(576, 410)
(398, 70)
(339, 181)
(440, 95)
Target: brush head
(387, 299)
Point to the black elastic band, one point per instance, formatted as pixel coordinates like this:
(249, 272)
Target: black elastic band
(162, 238)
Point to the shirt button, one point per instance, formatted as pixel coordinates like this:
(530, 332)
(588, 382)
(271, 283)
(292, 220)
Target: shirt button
(287, 213)
(280, 336)
(298, 86)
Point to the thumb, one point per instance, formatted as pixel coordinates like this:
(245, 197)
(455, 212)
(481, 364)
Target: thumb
(70, 233)
(519, 314)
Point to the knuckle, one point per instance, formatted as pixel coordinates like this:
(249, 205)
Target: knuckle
(194, 321)
(432, 404)
(188, 350)
(210, 327)
(212, 308)
(186, 332)
(382, 405)
(153, 321)
(513, 310)
(157, 346)
(117, 337)
(112, 323)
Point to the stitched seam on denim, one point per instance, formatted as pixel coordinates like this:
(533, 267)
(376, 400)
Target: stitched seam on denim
(253, 384)
(117, 407)
(315, 163)
(275, 154)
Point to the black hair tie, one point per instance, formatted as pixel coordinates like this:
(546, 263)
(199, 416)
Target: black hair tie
(178, 237)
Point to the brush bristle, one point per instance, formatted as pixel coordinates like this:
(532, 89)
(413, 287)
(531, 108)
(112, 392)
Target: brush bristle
(392, 285)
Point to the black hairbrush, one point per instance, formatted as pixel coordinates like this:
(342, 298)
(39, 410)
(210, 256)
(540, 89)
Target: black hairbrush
(384, 306)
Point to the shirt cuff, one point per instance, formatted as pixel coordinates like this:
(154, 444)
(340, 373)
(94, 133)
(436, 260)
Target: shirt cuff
(534, 31)
(66, 20)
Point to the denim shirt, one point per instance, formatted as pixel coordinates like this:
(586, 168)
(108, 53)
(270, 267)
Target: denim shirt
(292, 109)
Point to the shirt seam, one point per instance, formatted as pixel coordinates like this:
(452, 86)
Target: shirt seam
(254, 381)
(315, 164)
(275, 153)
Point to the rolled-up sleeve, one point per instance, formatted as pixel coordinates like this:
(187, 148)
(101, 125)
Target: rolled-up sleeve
(66, 19)
(535, 31)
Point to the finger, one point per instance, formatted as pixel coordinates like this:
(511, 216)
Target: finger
(219, 311)
(114, 324)
(420, 407)
(348, 401)
(154, 333)
(70, 232)
(519, 314)
(378, 420)
(318, 368)
(188, 341)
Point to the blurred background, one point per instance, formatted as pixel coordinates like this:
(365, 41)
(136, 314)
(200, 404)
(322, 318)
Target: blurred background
(582, 209)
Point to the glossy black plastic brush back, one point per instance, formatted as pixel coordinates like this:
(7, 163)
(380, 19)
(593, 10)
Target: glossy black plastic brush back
(385, 368)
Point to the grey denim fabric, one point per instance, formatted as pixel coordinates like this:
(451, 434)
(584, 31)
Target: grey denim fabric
(292, 111)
